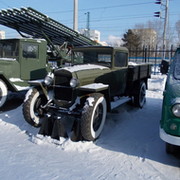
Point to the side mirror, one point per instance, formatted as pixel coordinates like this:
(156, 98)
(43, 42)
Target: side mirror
(164, 66)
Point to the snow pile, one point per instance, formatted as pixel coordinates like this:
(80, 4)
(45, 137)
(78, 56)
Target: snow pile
(129, 147)
(84, 67)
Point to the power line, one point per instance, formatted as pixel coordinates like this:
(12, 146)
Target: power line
(103, 7)
(114, 19)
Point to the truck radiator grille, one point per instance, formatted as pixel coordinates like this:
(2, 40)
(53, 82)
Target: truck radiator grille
(63, 93)
(63, 81)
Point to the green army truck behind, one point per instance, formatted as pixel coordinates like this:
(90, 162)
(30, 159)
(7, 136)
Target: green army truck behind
(21, 60)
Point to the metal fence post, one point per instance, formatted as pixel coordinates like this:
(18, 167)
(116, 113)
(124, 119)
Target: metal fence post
(155, 60)
(145, 55)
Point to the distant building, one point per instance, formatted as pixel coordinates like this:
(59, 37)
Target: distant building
(2, 34)
(148, 36)
(92, 34)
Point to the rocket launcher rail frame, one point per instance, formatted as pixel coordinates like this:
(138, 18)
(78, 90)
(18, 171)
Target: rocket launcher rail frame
(37, 25)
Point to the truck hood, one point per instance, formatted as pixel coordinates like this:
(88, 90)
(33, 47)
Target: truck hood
(86, 73)
(84, 67)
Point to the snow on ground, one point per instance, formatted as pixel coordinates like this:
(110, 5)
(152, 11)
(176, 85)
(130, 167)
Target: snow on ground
(129, 147)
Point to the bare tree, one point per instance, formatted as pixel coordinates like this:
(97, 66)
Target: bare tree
(151, 32)
(157, 27)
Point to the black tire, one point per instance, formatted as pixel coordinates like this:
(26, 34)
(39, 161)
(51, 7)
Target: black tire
(171, 149)
(93, 117)
(3, 93)
(140, 96)
(32, 111)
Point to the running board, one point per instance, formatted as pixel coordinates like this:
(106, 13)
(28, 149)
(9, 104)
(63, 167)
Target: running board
(120, 101)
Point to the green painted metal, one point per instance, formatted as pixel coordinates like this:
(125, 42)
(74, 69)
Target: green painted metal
(171, 96)
(16, 68)
(115, 75)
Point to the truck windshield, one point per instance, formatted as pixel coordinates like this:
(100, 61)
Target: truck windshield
(177, 65)
(8, 49)
(92, 57)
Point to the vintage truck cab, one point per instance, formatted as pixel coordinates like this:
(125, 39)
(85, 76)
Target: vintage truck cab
(170, 119)
(21, 60)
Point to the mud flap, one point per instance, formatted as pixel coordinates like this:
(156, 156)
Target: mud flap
(56, 128)
(76, 131)
(52, 126)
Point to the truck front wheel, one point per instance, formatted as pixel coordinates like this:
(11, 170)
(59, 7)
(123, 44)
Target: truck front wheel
(140, 96)
(3, 93)
(93, 116)
(32, 110)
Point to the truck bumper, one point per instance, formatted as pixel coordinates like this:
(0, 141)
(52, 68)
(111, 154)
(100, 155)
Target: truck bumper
(169, 138)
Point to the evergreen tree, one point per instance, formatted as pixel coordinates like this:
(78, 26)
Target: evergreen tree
(131, 40)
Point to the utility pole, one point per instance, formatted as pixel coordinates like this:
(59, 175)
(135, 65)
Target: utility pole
(75, 22)
(165, 27)
(165, 6)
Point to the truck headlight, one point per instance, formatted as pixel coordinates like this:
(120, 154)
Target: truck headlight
(176, 110)
(48, 80)
(74, 82)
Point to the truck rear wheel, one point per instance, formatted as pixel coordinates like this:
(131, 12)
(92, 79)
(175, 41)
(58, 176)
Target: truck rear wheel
(32, 111)
(140, 97)
(93, 116)
(3, 93)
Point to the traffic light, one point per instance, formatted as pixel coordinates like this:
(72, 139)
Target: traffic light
(157, 14)
(158, 2)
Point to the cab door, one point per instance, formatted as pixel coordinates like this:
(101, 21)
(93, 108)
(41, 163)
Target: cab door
(33, 64)
(120, 71)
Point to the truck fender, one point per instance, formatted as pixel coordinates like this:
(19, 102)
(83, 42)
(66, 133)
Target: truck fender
(38, 84)
(100, 88)
(8, 83)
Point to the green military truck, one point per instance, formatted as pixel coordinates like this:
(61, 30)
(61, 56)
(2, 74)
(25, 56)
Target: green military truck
(86, 90)
(27, 58)
(21, 60)
(170, 118)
